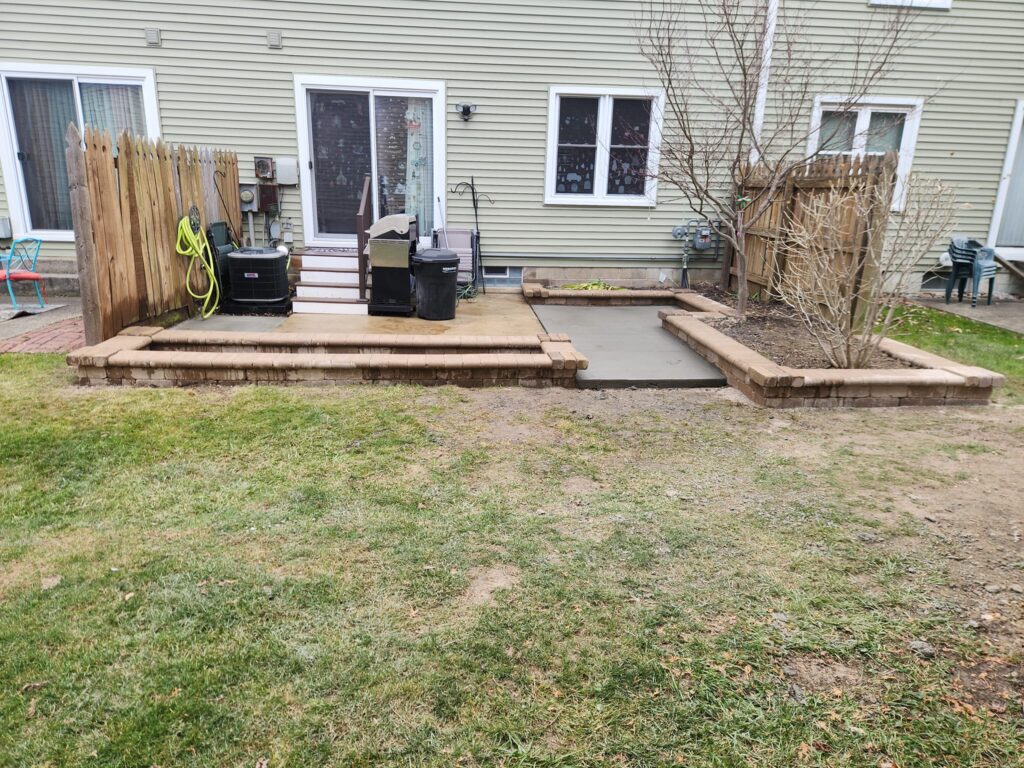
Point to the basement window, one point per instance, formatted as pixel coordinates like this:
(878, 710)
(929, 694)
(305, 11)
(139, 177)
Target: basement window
(603, 146)
(39, 101)
(870, 126)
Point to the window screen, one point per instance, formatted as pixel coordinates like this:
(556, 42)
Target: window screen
(42, 111)
(577, 145)
(340, 128)
(627, 153)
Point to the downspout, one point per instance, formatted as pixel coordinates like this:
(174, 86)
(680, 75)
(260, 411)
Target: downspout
(761, 101)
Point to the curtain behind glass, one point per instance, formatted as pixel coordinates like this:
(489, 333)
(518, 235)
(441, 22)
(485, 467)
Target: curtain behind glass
(42, 110)
(836, 133)
(113, 108)
(405, 157)
(885, 132)
(1011, 229)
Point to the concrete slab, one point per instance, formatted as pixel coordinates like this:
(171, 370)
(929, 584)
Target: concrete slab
(627, 347)
(1005, 313)
(252, 323)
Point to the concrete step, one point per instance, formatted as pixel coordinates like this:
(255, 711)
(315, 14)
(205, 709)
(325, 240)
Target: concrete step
(329, 307)
(58, 266)
(60, 283)
(329, 276)
(305, 290)
(311, 261)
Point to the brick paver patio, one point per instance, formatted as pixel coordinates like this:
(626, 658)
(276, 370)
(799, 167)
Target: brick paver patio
(64, 336)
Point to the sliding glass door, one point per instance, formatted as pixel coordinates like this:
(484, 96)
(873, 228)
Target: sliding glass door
(382, 132)
(41, 110)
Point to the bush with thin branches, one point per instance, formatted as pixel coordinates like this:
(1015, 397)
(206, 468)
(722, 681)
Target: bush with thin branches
(845, 290)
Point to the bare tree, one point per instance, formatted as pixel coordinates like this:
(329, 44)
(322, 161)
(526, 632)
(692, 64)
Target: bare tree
(740, 78)
(844, 289)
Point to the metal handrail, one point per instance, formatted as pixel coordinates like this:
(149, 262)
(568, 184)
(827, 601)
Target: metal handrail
(362, 224)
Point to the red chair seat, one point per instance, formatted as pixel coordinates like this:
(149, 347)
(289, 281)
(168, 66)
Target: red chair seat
(20, 274)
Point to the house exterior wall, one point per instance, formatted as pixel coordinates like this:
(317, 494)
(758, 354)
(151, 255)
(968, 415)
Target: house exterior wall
(966, 66)
(219, 84)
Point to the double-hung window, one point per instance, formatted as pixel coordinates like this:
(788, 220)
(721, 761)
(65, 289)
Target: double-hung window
(603, 145)
(37, 102)
(870, 126)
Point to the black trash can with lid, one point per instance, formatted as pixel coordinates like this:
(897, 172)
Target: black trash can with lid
(437, 276)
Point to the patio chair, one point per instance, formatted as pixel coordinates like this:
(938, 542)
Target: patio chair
(970, 260)
(465, 243)
(19, 265)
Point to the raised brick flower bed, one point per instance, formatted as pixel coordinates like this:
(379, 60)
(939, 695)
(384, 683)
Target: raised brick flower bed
(536, 293)
(156, 357)
(933, 380)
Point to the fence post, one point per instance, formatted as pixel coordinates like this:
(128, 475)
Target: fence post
(85, 252)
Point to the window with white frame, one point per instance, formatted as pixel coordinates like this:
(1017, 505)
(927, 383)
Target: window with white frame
(871, 126)
(38, 102)
(603, 146)
(935, 5)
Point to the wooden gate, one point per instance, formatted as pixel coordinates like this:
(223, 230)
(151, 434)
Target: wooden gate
(127, 197)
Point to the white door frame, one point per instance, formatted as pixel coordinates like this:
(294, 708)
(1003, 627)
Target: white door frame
(1004, 185)
(385, 86)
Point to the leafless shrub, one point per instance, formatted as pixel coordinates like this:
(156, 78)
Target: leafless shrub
(845, 290)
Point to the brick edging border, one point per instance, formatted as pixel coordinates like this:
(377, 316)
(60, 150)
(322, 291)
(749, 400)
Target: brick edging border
(934, 381)
(156, 357)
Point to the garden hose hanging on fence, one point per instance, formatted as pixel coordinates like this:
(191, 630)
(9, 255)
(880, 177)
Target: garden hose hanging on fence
(192, 242)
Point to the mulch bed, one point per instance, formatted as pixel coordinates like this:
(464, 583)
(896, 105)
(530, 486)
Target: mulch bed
(776, 331)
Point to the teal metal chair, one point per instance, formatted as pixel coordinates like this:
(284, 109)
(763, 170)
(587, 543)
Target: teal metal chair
(19, 265)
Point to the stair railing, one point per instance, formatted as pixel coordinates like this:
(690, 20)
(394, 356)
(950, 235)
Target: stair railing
(364, 218)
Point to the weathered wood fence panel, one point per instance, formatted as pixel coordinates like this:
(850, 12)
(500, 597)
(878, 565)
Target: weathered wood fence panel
(127, 198)
(864, 226)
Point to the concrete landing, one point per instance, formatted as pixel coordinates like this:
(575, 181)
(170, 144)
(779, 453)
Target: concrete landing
(627, 347)
(245, 323)
(1004, 313)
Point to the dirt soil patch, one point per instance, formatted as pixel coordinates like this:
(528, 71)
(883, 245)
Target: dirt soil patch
(776, 331)
(830, 677)
(484, 582)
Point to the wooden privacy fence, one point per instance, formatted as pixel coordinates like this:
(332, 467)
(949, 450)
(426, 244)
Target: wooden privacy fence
(126, 206)
(766, 238)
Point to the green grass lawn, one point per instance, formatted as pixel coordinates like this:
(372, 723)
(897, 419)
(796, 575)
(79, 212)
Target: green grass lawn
(968, 341)
(394, 576)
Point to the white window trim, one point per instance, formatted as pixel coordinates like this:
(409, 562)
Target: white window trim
(17, 199)
(935, 5)
(385, 86)
(601, 198)
(499, 273)
(1004, 185)
(912, 107)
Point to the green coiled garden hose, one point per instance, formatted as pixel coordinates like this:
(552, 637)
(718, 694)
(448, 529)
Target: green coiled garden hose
(192, 243)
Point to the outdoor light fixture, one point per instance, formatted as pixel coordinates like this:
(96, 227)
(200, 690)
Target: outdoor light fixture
(465, 110)
(153, 37)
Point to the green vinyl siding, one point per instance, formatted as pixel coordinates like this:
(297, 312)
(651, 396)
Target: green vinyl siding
(219, 84)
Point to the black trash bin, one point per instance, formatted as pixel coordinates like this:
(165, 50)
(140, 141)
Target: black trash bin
(437, 275)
